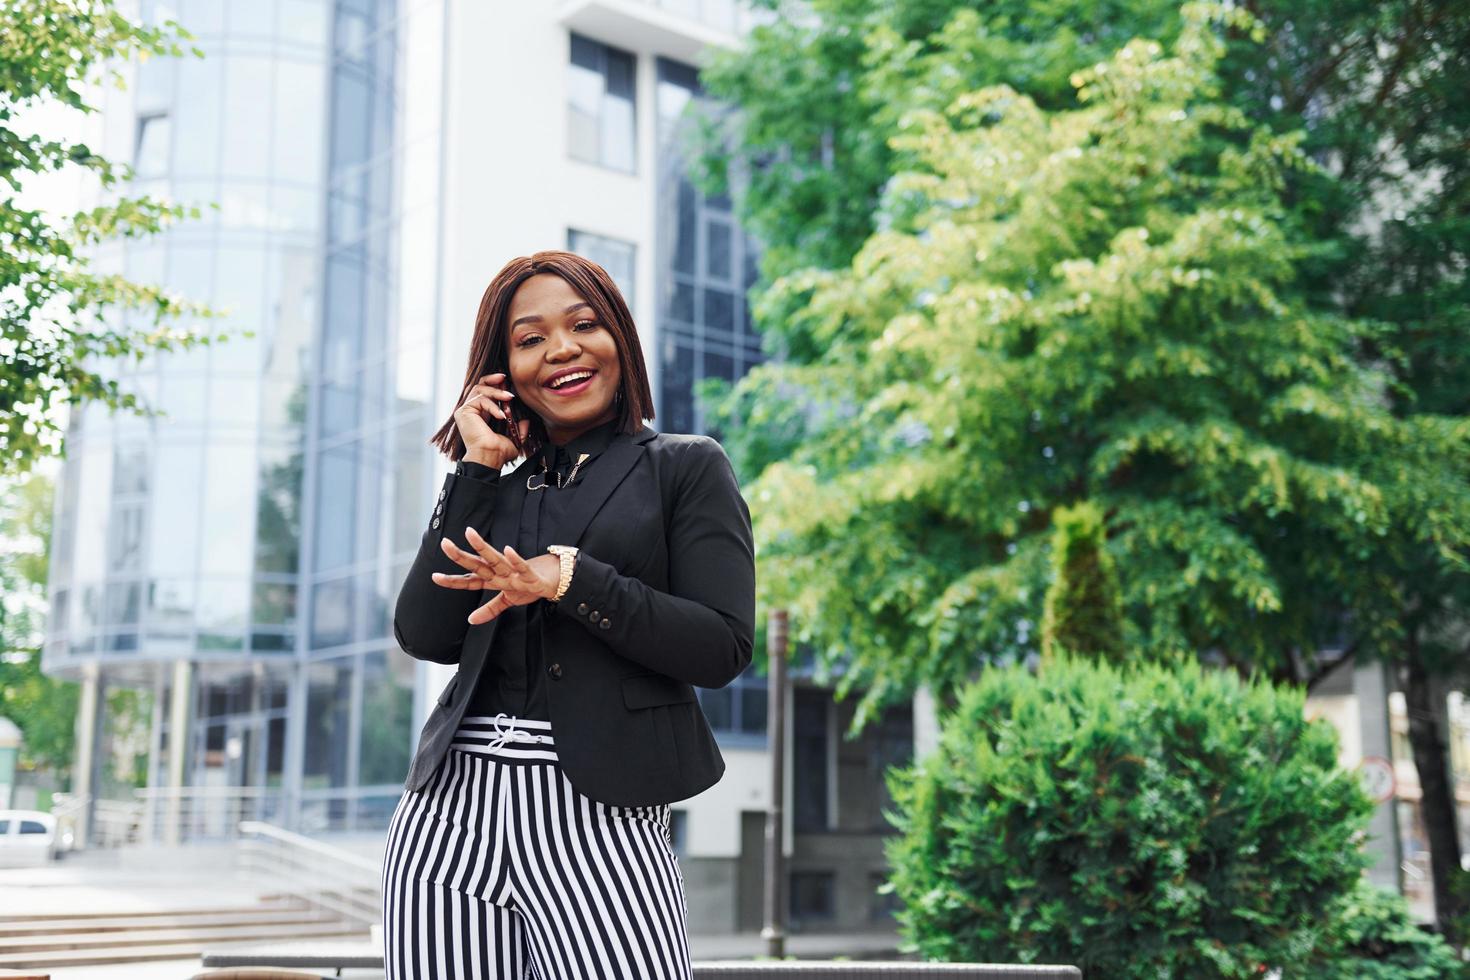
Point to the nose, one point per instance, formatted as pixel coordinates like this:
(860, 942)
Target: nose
(563, 347)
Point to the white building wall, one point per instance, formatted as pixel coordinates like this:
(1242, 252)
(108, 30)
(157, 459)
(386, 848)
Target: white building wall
(511, 189)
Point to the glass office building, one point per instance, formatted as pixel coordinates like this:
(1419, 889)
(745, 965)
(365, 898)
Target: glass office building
(238, 556)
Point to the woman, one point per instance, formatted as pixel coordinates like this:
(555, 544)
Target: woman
(620, 567)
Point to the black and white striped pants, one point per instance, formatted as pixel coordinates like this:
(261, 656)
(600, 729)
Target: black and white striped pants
(499, 868)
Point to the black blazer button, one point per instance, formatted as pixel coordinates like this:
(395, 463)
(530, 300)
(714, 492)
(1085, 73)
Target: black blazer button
(581, 609)
(555, 671)
(604, 624)
(593, 615)
(436, 522)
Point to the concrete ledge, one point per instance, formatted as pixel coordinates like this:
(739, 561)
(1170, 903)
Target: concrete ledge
(880, 970)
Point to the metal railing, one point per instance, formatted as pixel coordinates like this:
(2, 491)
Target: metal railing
(325, 877)
(197, 813)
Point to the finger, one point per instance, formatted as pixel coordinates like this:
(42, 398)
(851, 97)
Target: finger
(469, 580)
(465, 559)
(489, 610)
(481, 402)
(519, 566)
(492, 390)
(493, 558)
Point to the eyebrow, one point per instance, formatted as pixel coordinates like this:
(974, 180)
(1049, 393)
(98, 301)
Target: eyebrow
(536, 317)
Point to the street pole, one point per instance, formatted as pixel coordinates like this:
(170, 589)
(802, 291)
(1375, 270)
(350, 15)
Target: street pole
(774, 931)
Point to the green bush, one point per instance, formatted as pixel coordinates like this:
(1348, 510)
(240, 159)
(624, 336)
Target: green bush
(1083, 609)
(1373, 937)
(1147, 822)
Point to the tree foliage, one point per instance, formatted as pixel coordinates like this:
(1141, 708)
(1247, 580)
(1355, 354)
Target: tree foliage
(1083, 611)
(43, 707)
(56, 313)
(1092, 303)
(1373, 936)
(1145, 822)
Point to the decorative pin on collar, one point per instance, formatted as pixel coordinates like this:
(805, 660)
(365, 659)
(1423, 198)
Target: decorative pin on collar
(581, 458)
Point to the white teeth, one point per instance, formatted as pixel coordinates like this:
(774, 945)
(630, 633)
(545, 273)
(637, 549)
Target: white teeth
(567, 379)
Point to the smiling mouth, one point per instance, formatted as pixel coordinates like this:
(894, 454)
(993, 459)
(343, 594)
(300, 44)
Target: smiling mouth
(575, 386)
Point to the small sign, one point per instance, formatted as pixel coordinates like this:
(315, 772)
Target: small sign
(1378, 779)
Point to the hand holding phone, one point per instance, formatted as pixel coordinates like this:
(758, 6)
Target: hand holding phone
(485, 418)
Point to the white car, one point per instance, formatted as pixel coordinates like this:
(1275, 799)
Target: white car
(27, 838)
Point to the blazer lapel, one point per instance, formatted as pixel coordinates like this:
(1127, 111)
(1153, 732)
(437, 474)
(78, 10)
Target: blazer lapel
(600, 481)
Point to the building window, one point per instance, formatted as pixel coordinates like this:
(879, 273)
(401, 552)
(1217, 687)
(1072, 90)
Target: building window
(705, 265)
(738, 708)
(617, 257)
(810, 754)
(150, 150)
(813, 897)
(600, 98)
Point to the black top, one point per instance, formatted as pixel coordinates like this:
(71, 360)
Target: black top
(514, 680)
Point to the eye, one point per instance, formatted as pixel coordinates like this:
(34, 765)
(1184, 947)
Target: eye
(591, 324)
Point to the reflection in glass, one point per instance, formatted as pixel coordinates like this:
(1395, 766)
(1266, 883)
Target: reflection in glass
(328, 712)
(249, 81)
(274, 604)
(174, 524)
(300, 108)
(125, 549)
(196, 137)
(387, 718)
(331, 613)
(278, 510)
(150, 152)
(124, 601)
(223, 603)
(229, 492)
(699, 253)
(336, 499)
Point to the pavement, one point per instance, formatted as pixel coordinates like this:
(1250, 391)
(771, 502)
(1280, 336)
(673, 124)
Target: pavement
(138, 880)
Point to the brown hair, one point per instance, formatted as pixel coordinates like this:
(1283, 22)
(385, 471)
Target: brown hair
(489, 347)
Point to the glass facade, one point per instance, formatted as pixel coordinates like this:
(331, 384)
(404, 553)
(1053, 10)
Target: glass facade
(242, 531)
(705, 265)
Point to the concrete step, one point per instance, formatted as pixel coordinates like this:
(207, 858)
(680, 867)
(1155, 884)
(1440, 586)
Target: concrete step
(162, 948)
(243, 918)
(274, 903)
(158, 937)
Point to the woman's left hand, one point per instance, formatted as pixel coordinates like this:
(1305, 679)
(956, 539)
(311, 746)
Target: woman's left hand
(520, 581)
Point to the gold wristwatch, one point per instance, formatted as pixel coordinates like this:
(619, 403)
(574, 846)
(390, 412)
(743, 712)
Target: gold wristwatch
(568, 556)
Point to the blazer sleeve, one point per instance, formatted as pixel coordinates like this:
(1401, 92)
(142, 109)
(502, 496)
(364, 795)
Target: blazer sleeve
(430, 621)
(702, 630)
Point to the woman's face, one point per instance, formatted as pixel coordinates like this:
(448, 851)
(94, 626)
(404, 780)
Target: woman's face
(554, 332)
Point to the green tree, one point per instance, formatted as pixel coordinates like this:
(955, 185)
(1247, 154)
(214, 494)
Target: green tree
(57, 316)
(1148, 821)
(45, 708)
(1375, 92)
(1083, 611)
(1094, 303)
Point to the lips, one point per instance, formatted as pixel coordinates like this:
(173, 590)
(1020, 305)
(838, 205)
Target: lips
(573, 387)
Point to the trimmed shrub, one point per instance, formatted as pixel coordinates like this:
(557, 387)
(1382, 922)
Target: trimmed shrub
(1146, 822)
(1373, 937)
(1083, 610)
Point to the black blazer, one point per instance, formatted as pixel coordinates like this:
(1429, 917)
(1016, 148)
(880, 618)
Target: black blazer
(663, 598)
